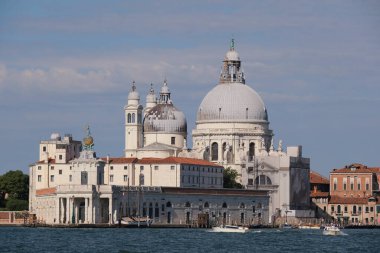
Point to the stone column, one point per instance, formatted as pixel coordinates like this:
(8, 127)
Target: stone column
(90, 211)
(57, 210)
(86, 210)
(68, 204)
(110, 210)
(62, 210)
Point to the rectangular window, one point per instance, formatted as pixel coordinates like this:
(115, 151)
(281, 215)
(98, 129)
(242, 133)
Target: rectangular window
(156, 167)
(52, 167)
(60, 157)
(344, 184)
(360, 209)
(39, 167)
(345, 209)
(60, 172)
(366, 209)
(359, 185)
(70, 178)
(83, 178)
(173, 140)
(250, 181)
(141, 168)
(371, 209)
(367, 187)
(52, 178)
(332, 208)
(172, 167)
(335, 184)
(111, 178)
(111, 168)
(39, 178)
(125, 178)
(44, 148)
(125, 167)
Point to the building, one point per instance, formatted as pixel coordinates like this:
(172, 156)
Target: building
(354, 195)
(319, 195)
(232, 130)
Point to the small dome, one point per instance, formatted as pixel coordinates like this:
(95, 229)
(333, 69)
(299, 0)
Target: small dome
(232, 55)
(151, 97)
(55, 136)
(232, 102)
(133, 94)
(165, 118)
(165, 88)
(88, 141)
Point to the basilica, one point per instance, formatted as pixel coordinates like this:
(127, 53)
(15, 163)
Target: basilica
(69, 184)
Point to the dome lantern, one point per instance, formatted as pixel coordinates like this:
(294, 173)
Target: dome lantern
(231, 70)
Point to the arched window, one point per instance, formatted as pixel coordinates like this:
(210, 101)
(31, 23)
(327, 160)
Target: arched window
(223, 150)
(224, 205)
(214, 151)
(354, 209)
(251, 152)
(339, 209)
(206, 205)
(187, 204)
(169, 204)
(133, 118)
(129, 118)
(263, 180)
(242, 205)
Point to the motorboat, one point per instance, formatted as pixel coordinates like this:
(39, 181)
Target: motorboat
(309, 226)
(286, 225)
(136, 221)
(230, 229)
(331, 230)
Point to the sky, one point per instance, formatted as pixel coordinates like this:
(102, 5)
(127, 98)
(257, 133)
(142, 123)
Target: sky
(66, 64)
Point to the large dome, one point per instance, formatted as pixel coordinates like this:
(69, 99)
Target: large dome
(165, 118)
(229, 102)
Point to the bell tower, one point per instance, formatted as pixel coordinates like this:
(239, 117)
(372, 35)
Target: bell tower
(133, 123)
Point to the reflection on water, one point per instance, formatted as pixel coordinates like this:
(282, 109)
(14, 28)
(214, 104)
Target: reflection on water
(183, 240)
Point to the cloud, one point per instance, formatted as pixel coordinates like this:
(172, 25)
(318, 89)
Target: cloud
(3, 73)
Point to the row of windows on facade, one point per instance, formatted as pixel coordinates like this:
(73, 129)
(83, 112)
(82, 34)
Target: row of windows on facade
(215, 151)
(190, 168)
(44, 149)
(39, 177)
(355, 209)
(131, 118)
(260, 180)
(352, 185)
(201, 180)
(206, 205)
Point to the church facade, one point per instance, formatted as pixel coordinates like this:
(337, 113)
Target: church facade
(70, 184)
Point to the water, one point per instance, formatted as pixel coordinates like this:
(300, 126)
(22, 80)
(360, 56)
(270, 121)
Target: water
(18, 239)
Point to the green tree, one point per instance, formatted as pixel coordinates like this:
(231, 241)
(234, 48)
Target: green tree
(15, 184)
(229, 179)
(17, 205)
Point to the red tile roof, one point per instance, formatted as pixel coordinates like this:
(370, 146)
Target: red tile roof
(43, 161)
(358, 168)
(46, 191)
(319, 194)
(118, 160)
(316, 178)
(347, 200)
(167, 160)
(178, 160)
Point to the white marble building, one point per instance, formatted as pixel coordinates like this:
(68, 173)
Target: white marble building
(232, 130)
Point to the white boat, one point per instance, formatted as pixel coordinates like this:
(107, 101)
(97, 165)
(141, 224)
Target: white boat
(135, 221)
(230, 229)
(309, 227)
(286, 225)
(331, 230)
